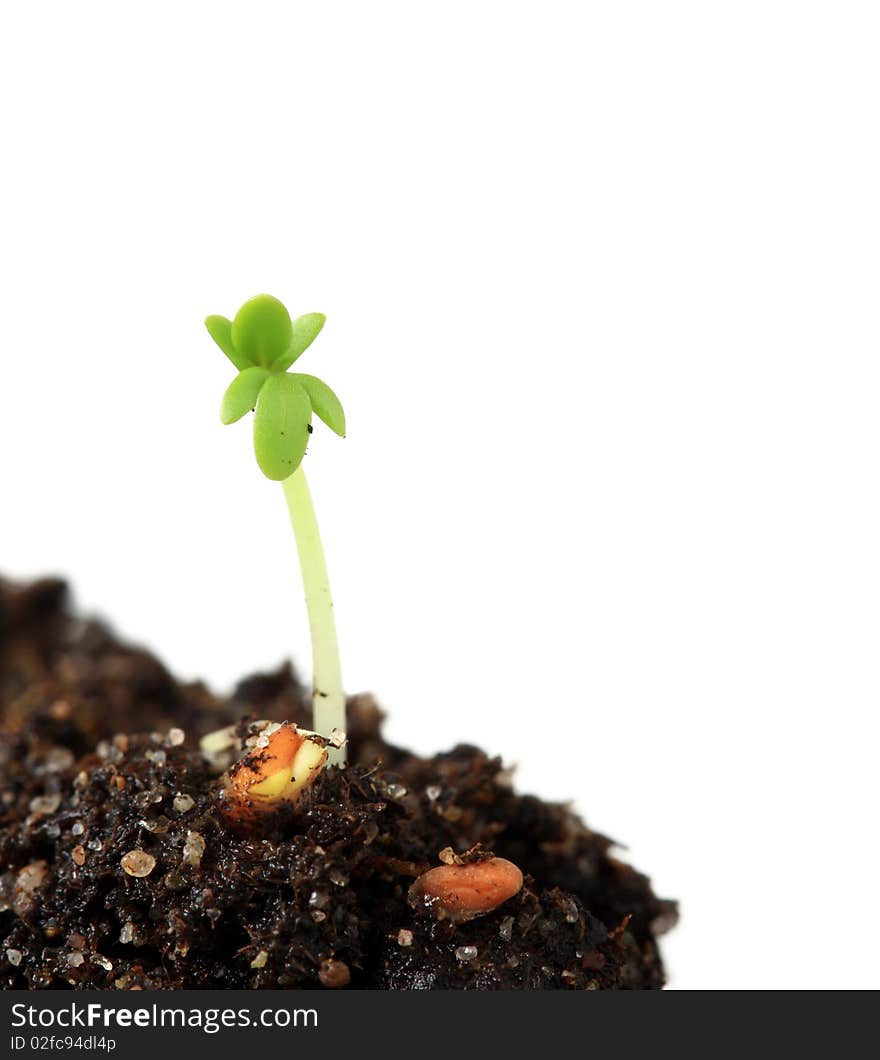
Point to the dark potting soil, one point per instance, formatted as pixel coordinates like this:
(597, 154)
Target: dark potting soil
(101, 775)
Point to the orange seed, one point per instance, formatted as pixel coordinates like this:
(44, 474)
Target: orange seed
(462, 892)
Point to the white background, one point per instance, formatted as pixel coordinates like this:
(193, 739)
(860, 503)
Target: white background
(601, 283)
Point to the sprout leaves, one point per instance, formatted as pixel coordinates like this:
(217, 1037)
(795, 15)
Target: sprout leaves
(262, 330)
(241, 395)
(325, 404)
(263, 342)
(305, 330)
(281, 426)
(220, 330)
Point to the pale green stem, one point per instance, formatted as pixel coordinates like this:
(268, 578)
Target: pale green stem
(328, 697)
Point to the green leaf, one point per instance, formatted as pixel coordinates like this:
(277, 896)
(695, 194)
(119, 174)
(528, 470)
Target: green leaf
(281, 426)
(241, 394)
(220, 330)
(262, 330)
(305, 330)
(325, 404)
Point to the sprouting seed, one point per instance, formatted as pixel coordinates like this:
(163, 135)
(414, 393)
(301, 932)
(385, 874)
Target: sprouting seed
(272, 776)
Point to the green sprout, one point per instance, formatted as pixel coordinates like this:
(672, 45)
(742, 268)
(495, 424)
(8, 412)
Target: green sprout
(263, 342)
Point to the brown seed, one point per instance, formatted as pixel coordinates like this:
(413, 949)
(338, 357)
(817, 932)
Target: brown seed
(462, 892)
(334, 974)
(79, 855)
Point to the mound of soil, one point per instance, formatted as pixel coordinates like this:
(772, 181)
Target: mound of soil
(118, 871)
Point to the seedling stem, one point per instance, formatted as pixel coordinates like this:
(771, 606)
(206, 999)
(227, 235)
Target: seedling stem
(328, 697)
